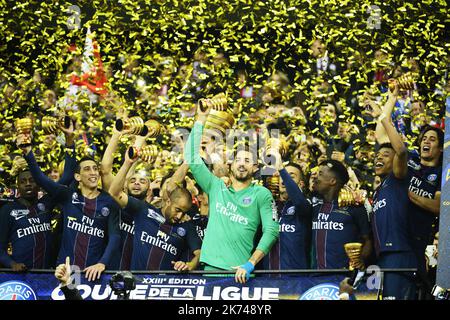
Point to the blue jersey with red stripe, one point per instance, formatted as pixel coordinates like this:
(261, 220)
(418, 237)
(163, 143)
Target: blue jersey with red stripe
(90, 226)
(156, 242)
(291, 250)
(122, 258)
(390, 218)
(332, 228)
(28, 229)
(425, 182)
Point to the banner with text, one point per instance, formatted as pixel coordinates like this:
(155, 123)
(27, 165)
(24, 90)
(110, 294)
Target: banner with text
(44, 286)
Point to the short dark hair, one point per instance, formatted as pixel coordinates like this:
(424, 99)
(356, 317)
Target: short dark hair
(338, 170)
(439, 133)
(178, 193)
(78, 167)
(385, 145)
(297, 166)
(21, 171)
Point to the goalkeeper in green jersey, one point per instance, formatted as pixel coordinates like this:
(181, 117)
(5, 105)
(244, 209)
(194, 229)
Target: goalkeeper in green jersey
(235, 212)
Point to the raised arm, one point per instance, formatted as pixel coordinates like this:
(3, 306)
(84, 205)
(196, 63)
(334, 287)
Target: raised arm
(116, 189)
(70, 160)
(380, 131)
(401, 152)
(106, 165)
(177, 178)
(41, 179)
(192, 154)
(294, 192)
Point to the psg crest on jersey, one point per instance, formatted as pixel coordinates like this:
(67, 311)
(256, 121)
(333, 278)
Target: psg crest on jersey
(16, 290)
(432, 177)
(181, 231)
(247, 200)
(290, 211)
(105, 211)
(41, 206)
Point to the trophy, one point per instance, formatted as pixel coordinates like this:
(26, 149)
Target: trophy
(24, 126)
(146, 153)
(404, 82)
(273, 184)
(279, 144)
(356, 265)
(134, 124)
(51, 125)
(345, 198)
(220, 117)
(153, 127)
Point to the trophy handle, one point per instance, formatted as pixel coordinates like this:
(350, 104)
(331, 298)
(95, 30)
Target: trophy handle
(67, 122)
(144, 131)
(119, 125)
(203, 104)
(133, 153)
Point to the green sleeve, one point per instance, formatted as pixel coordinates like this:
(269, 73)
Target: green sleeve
(192, 156)
(270, 225)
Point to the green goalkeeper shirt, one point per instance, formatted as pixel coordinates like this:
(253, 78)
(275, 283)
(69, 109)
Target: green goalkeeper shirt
(234, 216)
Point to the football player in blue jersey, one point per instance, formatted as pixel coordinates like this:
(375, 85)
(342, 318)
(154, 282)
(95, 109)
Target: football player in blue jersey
(334, 226)
(292, 249)
(90, 216)
(424, 175)
(25, 222)
(390, 219)
(161, 236)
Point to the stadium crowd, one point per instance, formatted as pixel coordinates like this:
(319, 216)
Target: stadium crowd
(281, 179)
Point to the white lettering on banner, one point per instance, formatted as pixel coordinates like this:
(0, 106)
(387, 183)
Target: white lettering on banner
(233, 216)
(236, 293)
(161, 292)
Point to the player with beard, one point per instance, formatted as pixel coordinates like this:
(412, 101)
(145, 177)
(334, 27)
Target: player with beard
(390, 218)
(160, 236)
(235, 212)
(137, 186)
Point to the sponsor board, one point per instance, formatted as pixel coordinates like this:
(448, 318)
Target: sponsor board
(44, 286)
